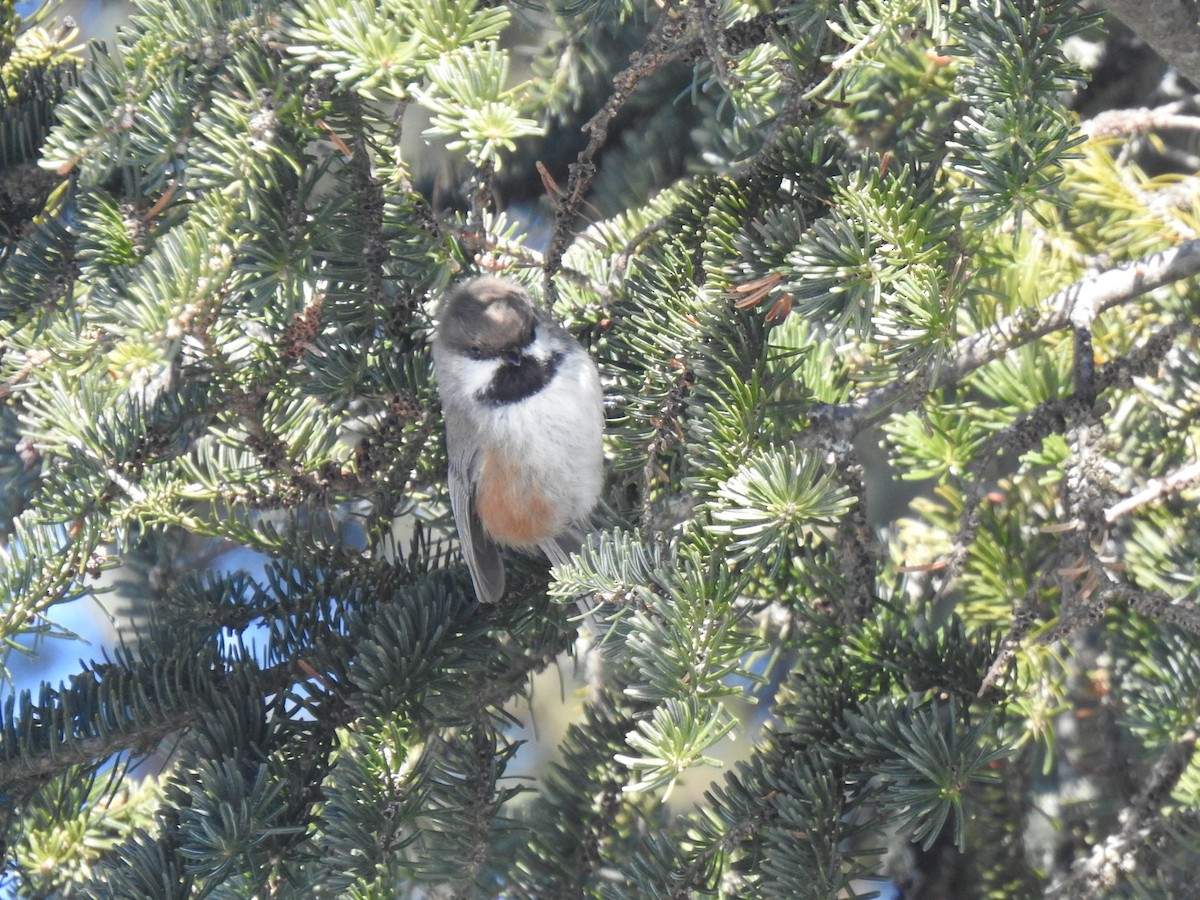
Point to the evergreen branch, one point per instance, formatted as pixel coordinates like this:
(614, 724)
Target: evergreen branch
(503, 686)
(482, 194)
(582, 797)
(273, 452)
(1051, 417)
(1099, 292)
(370, 206)
(131, 704)
(47, 582)
(1143, 821)
(751, 822)
(24, 768)
(179, 688)
(667, 432)
(1100, 586)
(649, 230)
(20, 777)
(474, 820)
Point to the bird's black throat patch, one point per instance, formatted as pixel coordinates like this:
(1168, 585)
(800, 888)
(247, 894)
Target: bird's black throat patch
(514, 383)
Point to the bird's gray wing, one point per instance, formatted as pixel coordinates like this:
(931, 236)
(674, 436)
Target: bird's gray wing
(559, 548)
(480, 552)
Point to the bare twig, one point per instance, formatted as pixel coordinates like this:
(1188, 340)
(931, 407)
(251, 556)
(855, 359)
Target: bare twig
(1083, 317)
(1024, 615)
(527, 257)
(1184, 614)
(1101, 292)
(622, 261)
(661, 47)
(859, 549)
(1082, 599)
(1155, 490)
(1116, 122)
(736, 38)
(706, 16)
(655, 53)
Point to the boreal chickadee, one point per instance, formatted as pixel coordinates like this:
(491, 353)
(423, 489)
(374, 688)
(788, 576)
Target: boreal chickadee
(524, 426)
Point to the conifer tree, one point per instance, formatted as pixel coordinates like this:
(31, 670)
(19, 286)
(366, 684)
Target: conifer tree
(789, 233)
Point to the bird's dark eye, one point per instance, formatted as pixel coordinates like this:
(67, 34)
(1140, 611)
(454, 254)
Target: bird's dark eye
(475, 351)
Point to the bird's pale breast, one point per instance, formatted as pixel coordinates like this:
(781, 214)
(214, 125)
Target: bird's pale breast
(511, 504)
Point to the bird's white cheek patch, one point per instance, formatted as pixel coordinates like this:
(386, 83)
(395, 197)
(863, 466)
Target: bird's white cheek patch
(463, 377)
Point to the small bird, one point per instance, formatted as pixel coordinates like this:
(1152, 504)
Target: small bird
(524, 427)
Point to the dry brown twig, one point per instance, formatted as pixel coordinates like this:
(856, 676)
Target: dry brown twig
(663, 45)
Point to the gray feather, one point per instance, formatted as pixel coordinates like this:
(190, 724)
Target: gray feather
(480, 552)
(559, 548)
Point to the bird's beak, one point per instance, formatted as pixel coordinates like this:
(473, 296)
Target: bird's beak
(512, 357)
